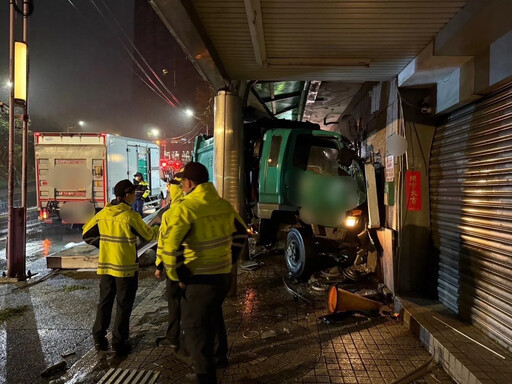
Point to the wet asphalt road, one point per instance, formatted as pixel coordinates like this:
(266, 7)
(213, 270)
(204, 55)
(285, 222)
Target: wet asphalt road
(42, 240)
(53, 315)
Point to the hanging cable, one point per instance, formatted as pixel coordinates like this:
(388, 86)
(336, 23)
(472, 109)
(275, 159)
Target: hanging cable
(197, 128)
(149, 83)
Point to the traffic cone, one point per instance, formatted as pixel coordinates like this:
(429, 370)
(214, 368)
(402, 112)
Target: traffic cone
(340, 300)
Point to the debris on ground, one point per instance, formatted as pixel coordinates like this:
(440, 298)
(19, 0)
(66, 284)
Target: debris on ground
(337, 317)
(251, 265)
(368, 293)
(67, 353)
(267, 334)
(248, 334)
(356, 272)
(52, 370)
(296, 294)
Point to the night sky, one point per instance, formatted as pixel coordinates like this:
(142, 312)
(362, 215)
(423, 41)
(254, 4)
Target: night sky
(80, 71)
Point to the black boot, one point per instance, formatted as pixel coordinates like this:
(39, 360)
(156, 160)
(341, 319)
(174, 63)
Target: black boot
(165, 342)
(101, 344)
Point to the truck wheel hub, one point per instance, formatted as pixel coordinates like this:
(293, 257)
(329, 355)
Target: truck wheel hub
(292, 252)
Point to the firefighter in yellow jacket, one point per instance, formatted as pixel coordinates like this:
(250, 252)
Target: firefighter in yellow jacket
(114, 230)
(172, 289)
(200, 237)
(141, 192)
(174, 192)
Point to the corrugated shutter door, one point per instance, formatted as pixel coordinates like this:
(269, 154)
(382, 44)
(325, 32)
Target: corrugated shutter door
(471, 205)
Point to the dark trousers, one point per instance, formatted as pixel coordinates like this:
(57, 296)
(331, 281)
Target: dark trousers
(203, 322)
(173, 292)
(138, 205)
(122, 289)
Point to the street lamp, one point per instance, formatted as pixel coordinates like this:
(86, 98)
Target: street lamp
(154, 132)
(190, 113)
(81, 123)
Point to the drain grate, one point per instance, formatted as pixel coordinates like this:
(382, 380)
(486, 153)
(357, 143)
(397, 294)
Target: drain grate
(129, 376)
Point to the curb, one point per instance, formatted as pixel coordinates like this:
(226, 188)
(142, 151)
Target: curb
(441, 355)
(450, 350)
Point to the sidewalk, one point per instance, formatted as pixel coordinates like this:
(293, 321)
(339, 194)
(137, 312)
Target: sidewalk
(460, 348)
(273, 339)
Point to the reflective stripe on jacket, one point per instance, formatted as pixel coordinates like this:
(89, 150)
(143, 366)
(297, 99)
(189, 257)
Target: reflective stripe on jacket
(114, 230)
(141, 190)
(197, 233)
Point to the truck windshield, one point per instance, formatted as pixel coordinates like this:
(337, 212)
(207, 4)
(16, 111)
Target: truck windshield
(317, 154)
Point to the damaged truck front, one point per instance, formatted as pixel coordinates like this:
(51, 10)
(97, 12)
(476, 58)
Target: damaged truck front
(305, 183)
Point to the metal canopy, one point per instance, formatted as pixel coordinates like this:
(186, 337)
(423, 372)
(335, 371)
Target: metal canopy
(283, 99)
(304, 40)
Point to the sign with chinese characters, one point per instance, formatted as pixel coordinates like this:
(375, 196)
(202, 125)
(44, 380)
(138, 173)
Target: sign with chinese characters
(413, 190)
(390, 169)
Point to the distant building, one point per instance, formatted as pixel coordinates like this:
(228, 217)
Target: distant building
(165, 56)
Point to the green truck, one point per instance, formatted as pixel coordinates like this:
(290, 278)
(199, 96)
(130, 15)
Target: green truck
(302, 182)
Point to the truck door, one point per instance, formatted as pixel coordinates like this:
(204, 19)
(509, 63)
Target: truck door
(154, 171)
(270, 174)
(133, 165)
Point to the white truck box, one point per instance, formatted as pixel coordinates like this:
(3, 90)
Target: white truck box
(76, 172)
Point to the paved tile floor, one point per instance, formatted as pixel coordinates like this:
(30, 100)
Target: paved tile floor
(274, 338)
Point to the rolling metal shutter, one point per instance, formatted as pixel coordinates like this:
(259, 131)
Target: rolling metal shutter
(471, 197)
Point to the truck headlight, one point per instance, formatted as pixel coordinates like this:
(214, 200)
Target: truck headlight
(350, 221)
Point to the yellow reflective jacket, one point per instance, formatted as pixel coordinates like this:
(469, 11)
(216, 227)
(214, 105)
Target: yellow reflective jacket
(114, 231)
(175, 192)
(198, 234)
(142, 190)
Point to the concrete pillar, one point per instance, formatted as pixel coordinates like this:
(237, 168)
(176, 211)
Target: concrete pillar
(228, 155)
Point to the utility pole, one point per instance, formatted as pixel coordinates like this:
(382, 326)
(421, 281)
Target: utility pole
(26, 12)
(18, 76)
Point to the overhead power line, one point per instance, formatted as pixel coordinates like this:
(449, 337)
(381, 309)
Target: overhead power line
(138, 52)
(120, 38)
(165, 94)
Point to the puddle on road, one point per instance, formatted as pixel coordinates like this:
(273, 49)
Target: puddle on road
(43, 241)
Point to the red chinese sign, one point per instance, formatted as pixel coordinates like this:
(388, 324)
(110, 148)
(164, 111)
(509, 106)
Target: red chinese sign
(413, 190)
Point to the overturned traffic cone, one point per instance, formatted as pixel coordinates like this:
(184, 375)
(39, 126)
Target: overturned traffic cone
(341, 301)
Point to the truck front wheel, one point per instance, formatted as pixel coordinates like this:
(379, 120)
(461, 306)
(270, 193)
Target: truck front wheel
(299, 244)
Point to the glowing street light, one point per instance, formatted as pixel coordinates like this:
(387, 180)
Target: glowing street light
(189, 112)
(154, 132)
(81, 123)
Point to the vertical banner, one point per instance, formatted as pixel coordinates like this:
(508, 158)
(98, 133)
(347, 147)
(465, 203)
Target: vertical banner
(413, 190)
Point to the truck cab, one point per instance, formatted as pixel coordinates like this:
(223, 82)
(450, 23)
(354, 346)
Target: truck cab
(303, 182)
(310, 181)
